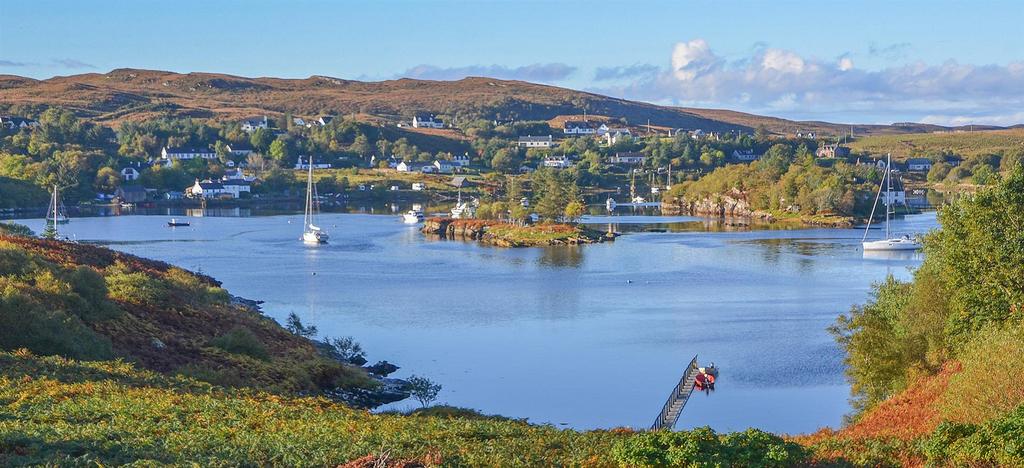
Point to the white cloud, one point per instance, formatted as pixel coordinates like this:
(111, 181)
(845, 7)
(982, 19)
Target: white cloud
(770, 79)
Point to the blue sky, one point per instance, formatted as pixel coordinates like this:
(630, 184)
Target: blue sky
(867, 61)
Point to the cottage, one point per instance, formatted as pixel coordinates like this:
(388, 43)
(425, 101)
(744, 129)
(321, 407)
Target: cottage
(303, 163)
(205, 189)
(174, 154)
(17, 123)
(240, 149)
(615, 135)
(418, 186)
(406, 166)
(129, 174)
(232, 174)
(443, 166)
(745, 155)
(530, 141)
(576, 127)
(427, 121)
(558, 162)
(896, 194)
(632, 157)
(131, 193)
(460, 160)
(832, 151)
(952, 160)
(300, 122)
(255, 123)
(919, 164)
(235, 187)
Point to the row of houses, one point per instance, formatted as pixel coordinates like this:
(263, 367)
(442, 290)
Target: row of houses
(583, 127)
(255, 123)
(439, 166)
(17, 123)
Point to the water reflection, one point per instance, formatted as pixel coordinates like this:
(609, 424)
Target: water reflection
(565, 256)
(894, 254)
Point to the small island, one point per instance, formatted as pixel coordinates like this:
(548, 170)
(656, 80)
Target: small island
(505, 234)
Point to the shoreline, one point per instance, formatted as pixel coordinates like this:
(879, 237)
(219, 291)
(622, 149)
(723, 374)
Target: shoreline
(503, 234)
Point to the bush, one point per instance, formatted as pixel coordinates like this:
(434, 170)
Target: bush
(134, 287)
(985, 388)
(42, 329)
(14, 229)
(995, 443)
(703, 447)
(241, 340)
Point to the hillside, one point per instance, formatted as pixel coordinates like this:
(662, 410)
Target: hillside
(963, 143)
(87, 302)
(129, 94)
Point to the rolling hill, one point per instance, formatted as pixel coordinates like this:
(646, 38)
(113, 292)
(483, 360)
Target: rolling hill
(131, 94)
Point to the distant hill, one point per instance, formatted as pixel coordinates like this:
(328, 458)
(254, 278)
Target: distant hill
(130, 94)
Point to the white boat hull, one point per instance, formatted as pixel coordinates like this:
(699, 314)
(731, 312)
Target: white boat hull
(315, 237)
(892, 244)
(410, 218)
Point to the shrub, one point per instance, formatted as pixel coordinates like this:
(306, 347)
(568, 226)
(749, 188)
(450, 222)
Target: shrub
(27, 323)
(703, 447)
(135, 288)
(995, 443)
(14, 229)
(985, 388)
(241, 340)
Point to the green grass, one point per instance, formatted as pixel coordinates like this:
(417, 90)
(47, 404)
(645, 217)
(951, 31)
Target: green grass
(965, 144)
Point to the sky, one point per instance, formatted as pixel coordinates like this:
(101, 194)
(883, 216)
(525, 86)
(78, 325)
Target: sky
(944, 62)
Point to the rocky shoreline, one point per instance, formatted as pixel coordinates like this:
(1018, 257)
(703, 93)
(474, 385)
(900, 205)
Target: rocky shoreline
(502, 234)
(388, 390)
(733, 205)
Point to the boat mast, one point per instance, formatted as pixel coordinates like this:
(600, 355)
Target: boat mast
(307, 220)
(888, 191)
(55, 235)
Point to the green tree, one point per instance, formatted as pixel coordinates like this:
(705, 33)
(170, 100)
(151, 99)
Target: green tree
(280, 151)
(261, 139)
(574, 210)
(423, 390)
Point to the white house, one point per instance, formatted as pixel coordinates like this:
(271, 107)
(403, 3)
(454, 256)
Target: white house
(240, 149)
(460, 160)
(558, 162)
(896, 195)
(529, 141)
(251, 125)
(237, 174)
(299, 122)
(697, 134)
(444, 166)
(418, 186)
(172, 154)
(205, 189)
(17, 123)
(129, 174)
(235, 187)
(613, 136)
(303, 163)
(427, 121)
(323, 121)
(426, 168)
(745, 155)
(576, 127)
(919, 164)
(632, 157)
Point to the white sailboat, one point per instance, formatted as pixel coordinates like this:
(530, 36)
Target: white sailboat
(889, 243)
(56, 213)
(462, 210)
(312, 233)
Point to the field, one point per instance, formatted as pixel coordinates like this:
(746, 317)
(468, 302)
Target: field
(965, 144)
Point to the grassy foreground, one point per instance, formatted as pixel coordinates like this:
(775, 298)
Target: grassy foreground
(59, 411)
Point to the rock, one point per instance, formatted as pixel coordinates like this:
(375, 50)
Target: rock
(382, 368)
(157, 344)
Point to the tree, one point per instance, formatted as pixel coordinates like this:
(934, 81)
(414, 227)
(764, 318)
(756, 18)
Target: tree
(574, 210)
(348, 350)
(280, 150)
(107, 180)
(261, 139)
(423, 389)
(938, 172)
(294, 325)
(505, 161)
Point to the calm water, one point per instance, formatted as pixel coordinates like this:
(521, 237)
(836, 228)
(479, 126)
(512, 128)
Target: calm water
(584, 337)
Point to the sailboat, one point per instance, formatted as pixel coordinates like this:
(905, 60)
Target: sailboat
(904, 242)
(462, 210)
(56, 213)
(312, 233)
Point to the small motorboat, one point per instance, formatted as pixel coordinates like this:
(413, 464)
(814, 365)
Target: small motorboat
(175, 223)
(412, 217)
(610, 204)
